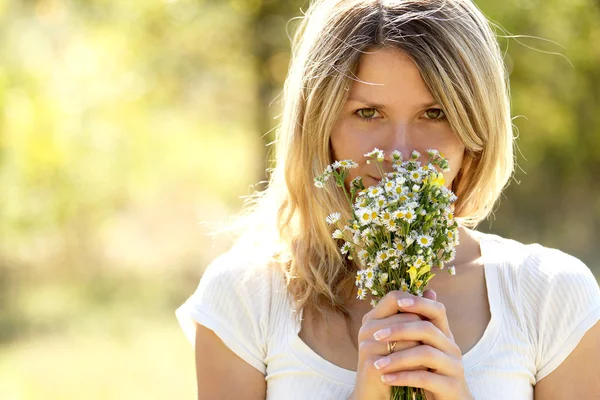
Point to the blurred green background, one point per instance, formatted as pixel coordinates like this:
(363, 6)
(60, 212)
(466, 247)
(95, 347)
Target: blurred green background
(124, 124)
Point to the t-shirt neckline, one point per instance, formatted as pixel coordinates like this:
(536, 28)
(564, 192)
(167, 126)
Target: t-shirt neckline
(470, 359)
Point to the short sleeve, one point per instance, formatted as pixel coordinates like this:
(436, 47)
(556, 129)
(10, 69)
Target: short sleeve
(561, 301)
(232, 300)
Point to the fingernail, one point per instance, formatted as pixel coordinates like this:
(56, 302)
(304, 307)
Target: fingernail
(388, 377)
(382, 362)
(406, 302)
(382, 333)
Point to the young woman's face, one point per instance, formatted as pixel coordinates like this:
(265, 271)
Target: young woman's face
(390, 108)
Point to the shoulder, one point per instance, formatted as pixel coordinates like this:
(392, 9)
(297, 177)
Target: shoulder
(240, 268)
(537, 263)
(556, 272)
(555, 295)
(234, 299)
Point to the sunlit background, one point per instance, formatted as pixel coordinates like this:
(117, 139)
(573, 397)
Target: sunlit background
(125, 124)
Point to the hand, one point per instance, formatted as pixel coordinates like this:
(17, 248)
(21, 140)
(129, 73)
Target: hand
(368, 384)
(443, 377)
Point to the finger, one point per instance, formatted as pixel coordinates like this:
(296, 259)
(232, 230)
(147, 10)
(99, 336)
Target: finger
(387, 306)
(433, 310)
(371, 326)
(430, 381)
(367, 331)
(423, 331)
(420, 356)
(430, 294)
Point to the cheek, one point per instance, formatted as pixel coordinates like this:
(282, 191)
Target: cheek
(455, 161)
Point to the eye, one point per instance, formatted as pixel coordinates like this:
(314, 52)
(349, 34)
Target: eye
(367, 113)
(435, 114)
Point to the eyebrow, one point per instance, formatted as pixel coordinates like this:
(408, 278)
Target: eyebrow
(382, 107)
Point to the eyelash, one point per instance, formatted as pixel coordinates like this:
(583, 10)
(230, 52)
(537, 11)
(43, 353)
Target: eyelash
(440, 119)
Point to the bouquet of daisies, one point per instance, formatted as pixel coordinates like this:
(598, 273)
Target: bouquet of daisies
(400, 228)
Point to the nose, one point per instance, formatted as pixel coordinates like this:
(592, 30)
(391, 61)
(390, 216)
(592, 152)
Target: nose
(398, 138)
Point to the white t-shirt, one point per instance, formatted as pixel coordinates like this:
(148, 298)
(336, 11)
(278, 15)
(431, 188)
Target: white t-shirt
(542, 301)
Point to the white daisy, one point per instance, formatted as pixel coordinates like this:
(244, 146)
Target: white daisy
(365, 216)
(399, 246)
(403, 285)
(398, 214)
(433, 153)
(415, 176)
(333, 218)
(382, 256)
(391, 225)
(389, 186)
(409, 216)
(452, 270)
(346, 164)
(380, 202)
(362, 201)
(319, 183)
(386, 216)
(378, 154)
(424, 240)
(360, 294)
(362, 255)
(345, 248)
(337, 234)
(375, 191)
(419, 261)
(358, 278)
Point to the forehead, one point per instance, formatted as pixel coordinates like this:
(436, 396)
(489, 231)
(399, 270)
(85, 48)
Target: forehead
(389, 74)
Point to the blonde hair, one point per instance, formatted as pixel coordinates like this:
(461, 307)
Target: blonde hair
(453, 45)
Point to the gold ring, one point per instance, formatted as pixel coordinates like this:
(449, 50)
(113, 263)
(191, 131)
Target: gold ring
(391, 346)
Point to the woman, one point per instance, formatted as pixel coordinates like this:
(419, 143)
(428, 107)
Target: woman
(277, 316)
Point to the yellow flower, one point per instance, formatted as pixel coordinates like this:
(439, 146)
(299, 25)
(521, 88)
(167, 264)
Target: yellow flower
(437, 179)
(412, 272)
(423, 270)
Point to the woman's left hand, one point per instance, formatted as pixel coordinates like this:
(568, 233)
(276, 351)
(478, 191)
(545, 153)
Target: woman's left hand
(445, 379)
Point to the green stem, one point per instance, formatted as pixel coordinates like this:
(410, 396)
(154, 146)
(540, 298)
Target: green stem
(343, 178)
